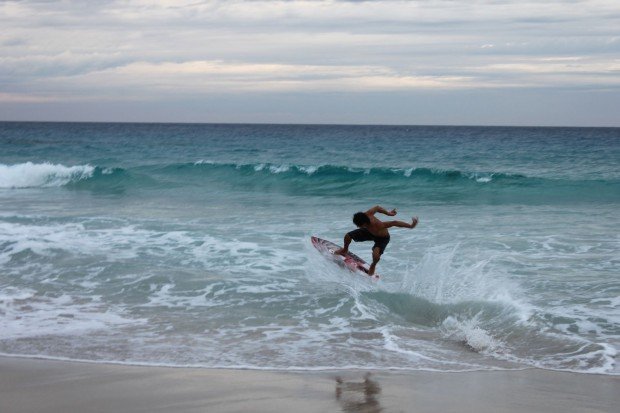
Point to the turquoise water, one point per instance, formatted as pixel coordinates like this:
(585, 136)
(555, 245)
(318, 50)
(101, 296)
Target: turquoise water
(189, 245)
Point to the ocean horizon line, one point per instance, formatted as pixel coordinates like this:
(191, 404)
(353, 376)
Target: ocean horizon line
(325, 124)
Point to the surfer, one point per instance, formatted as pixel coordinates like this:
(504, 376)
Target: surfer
(370, 228)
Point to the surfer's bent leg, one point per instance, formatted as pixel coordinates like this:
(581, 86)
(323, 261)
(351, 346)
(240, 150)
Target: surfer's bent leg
(376, 256)
(345, 249)
(377, 251)
(360, 234)
(356, 235)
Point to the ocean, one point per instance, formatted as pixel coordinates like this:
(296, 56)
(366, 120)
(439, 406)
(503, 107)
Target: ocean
(189, 245)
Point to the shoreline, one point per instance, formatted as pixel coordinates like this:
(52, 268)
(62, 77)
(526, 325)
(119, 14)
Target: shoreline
(34, 385)
(300, 370)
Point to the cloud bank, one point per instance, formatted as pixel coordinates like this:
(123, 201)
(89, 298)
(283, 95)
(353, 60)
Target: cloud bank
(165, 54)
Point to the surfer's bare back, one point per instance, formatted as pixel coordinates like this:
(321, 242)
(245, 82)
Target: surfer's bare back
(370, 228)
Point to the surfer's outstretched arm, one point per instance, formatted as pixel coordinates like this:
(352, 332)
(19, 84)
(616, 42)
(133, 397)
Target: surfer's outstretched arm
(402, 224)
(381, 210)
(345, 249)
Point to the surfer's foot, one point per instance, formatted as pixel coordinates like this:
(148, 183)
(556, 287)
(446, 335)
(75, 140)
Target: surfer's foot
(341, 251)
(414, 222)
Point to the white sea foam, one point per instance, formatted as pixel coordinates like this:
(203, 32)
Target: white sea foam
(277, 169)
(27, 314)
(391, 344)
(129, 241)
(471, 333)
(46, 240)
(252, 289)
(274, 169)
(28, 175)
(309, 169)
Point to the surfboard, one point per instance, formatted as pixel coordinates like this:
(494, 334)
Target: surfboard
(351, 261)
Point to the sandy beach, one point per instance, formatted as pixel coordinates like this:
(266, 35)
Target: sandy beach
(33, 385)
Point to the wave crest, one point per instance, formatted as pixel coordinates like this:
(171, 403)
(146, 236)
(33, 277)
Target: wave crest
(351, 172)
(46, 174)
(430, 184)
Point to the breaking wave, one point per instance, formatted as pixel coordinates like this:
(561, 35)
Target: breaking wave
(28, 175)
(324, 180)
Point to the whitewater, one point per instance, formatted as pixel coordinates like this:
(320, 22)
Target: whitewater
(189, 245)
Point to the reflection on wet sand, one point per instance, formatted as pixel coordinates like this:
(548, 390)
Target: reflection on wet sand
(358, 396)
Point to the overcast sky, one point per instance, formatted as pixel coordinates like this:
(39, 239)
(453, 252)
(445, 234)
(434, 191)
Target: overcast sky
(389, 62)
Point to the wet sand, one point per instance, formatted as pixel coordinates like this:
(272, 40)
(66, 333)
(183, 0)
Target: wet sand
(33, 385)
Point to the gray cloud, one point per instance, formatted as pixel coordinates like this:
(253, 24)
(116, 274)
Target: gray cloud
(164, 51)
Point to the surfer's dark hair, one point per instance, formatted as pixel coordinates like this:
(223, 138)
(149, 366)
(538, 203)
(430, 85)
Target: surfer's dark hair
(360, 219)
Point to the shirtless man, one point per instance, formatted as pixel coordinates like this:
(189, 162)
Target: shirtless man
(370, 228)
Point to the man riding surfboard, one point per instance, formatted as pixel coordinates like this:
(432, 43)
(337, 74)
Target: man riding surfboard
(370, 228)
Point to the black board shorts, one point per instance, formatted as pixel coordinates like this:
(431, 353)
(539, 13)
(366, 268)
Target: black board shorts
(362, 234)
